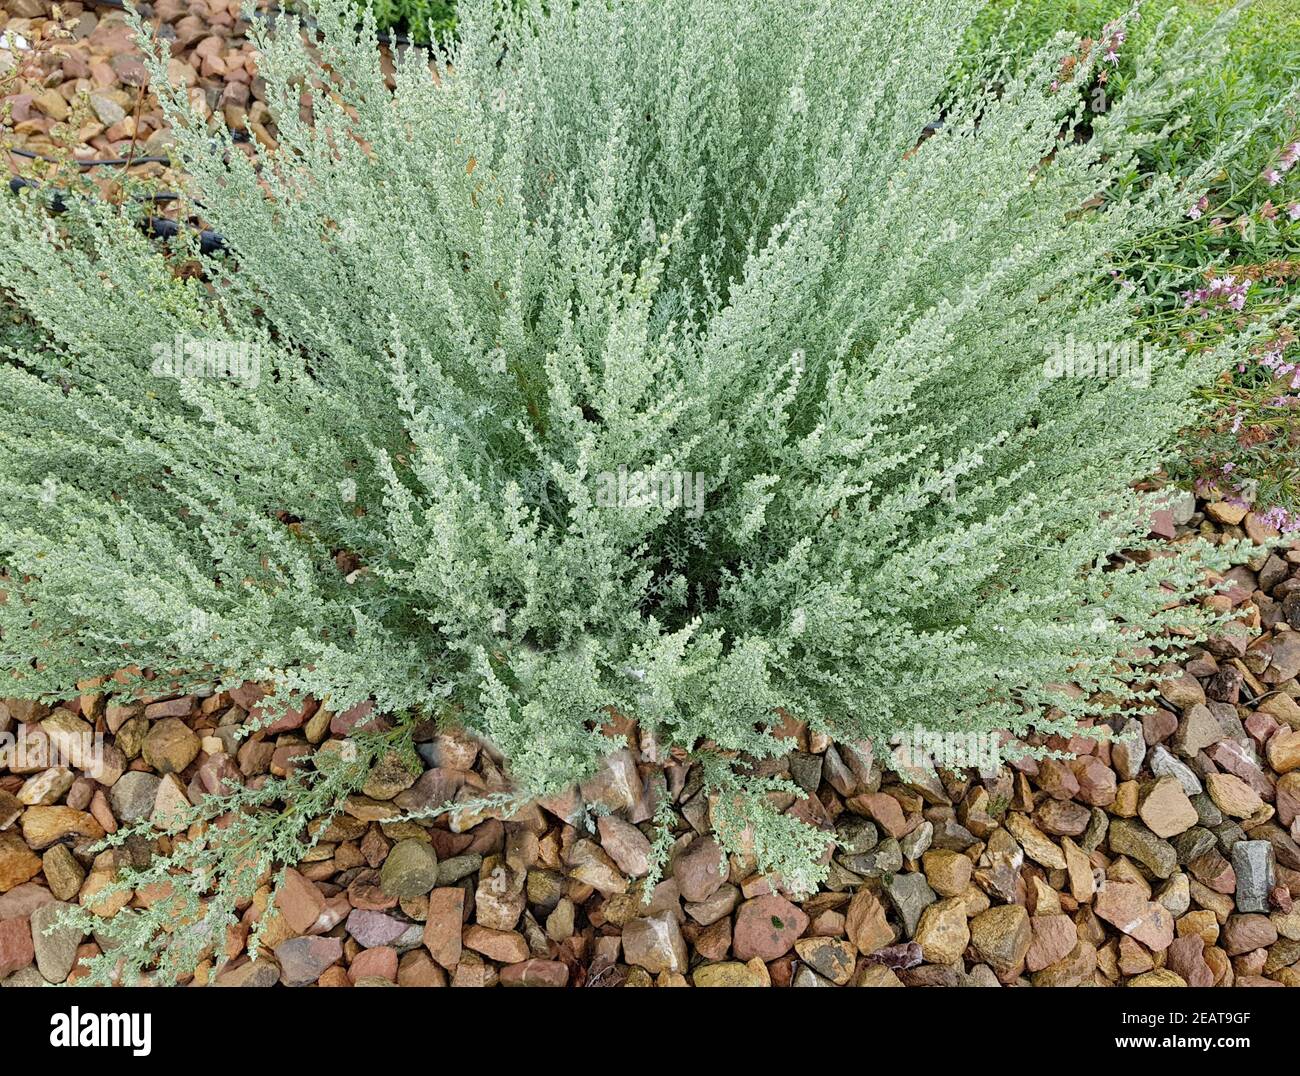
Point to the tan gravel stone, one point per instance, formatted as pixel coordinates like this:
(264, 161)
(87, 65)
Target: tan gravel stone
(948, 872)
(1079, 870)
(503, 946)
(1001, 938)
(63, 874)
(170, 746)
(1035, 842)
(865, 922)
(943, 932)
(1159, 977)
(730, 973)
(1232, 795)
(42, 826)
(1166, 808)
(17, 862)
(1284, 751)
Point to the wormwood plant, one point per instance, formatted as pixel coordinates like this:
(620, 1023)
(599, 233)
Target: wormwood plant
(399, 445)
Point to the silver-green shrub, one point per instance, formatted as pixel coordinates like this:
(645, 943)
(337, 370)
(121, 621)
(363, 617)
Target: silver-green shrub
(393, 446)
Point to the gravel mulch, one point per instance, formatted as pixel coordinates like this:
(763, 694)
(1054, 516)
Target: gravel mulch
(75, 88)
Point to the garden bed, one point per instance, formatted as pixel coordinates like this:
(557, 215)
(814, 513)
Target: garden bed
(1166, 852)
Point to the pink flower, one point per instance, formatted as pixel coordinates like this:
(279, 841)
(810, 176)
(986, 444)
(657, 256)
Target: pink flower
(1293, 211)
(1273, 176)
(1221, 291)
(1199, 208)
(1280, 518)
(1113, 35)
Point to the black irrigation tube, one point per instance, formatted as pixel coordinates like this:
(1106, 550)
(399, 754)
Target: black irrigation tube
(18, 183)
(210, 242)
(111, 162)
(157, 227)
(116, 162)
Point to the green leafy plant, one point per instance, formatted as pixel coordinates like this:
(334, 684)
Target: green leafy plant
(421, 19)
(1235, 255)
(646, 359)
